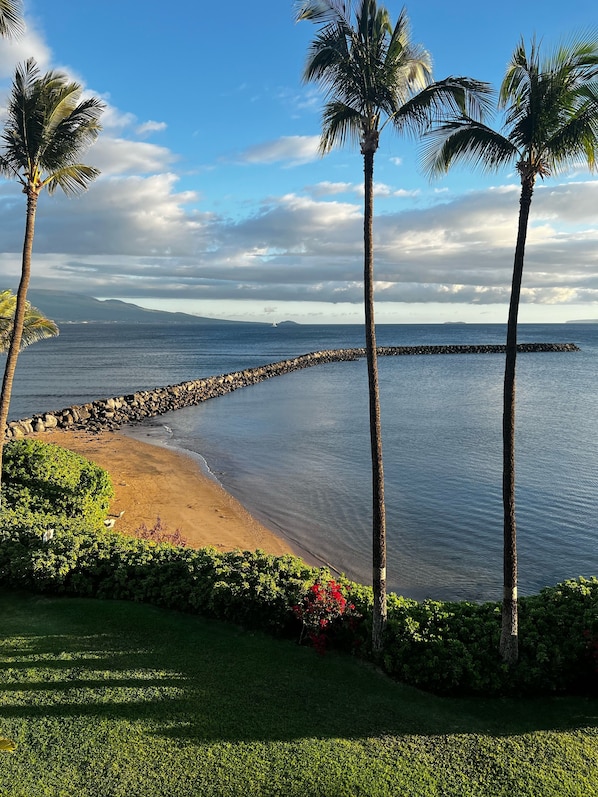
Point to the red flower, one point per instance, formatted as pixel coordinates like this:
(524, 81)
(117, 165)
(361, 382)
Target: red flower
(322, 607)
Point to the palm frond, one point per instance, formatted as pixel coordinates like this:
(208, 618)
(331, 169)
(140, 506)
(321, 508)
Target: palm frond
(322, 10)
(408, 65)
(72, 134)
(453, 97)
(21, 129)
(11, 18)
(521, 71)
(36, 326)
(576, 140)
(577, 57)
(467, 141)
(72, 179)
(340, 123)
(328, 57)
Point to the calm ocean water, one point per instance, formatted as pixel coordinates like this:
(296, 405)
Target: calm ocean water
(295, 450)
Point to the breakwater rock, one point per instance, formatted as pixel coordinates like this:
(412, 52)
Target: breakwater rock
(111, 413)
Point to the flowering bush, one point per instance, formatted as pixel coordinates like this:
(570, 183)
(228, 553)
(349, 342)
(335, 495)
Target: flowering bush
(323, 606)
(159, 533)
(449, 648)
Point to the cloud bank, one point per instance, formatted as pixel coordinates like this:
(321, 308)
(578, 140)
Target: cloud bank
(141, 232)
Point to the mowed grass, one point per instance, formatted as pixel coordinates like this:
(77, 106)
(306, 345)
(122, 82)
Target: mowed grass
(111, 698)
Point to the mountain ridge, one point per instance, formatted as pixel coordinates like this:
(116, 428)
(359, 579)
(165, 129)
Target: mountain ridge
(77, 308)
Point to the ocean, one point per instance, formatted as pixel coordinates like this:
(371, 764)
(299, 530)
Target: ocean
(295, 449)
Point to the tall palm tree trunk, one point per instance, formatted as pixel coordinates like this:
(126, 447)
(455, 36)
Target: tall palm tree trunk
(20, 308)
(509, 638)
(379, 511)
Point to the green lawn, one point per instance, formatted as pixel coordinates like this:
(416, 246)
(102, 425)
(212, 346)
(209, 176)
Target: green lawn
(111, 698)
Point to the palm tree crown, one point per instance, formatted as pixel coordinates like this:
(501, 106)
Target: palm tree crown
(47, 129)
(550, 117)
(372, 74)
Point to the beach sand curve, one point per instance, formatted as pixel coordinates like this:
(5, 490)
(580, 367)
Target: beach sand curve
(152, 482)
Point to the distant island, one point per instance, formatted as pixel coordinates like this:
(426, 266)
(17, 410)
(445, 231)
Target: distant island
(76, 308)
(584, 321)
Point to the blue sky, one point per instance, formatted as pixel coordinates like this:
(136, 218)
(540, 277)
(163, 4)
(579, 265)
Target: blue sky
(214, 201)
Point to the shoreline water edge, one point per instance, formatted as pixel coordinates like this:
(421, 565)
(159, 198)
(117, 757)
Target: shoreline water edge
(160, 487)
(155, 485)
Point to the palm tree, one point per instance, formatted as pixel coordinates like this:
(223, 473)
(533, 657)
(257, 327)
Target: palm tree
(372, 75)
(47, 128)
(11, 22)
(35, 326)
(550, 123)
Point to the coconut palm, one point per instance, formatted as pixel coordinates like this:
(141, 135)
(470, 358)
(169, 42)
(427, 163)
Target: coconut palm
(550, 111)
(372, 75)
(46, 129)
(11, 21)
(35, 325)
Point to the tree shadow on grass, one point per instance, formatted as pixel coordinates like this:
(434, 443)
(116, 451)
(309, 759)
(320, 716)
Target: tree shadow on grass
(202, 681)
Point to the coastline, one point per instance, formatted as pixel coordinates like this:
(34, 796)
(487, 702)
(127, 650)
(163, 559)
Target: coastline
(152, 481)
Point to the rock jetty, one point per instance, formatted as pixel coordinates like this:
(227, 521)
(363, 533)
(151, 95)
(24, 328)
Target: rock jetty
(111, 413)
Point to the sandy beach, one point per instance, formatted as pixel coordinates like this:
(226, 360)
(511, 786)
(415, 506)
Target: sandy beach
(152, 482)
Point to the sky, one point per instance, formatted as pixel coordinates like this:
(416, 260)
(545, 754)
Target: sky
(213, 199)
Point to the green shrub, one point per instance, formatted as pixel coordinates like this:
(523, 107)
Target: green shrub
(44, 478)
(557, 628)
(29, 561)
(452, 648)
(251, 588)
(444, 647)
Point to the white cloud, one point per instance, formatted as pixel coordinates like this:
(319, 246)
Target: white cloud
(135, 236)
(290, 149)
(326, 188)
(123, 156)
(149, 127)
(381, 190)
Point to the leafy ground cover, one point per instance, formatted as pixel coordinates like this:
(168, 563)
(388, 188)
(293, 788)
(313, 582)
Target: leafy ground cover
(110, 698)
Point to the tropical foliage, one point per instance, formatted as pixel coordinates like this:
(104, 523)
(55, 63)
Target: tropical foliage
(35, 325)
(443, 647)
(550, 111)
(47, 128)
(11, 22)
(373, 75)
(42, 477)
(53, 540)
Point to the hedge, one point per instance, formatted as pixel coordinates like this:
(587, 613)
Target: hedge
(52, 540)
(444, 647)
